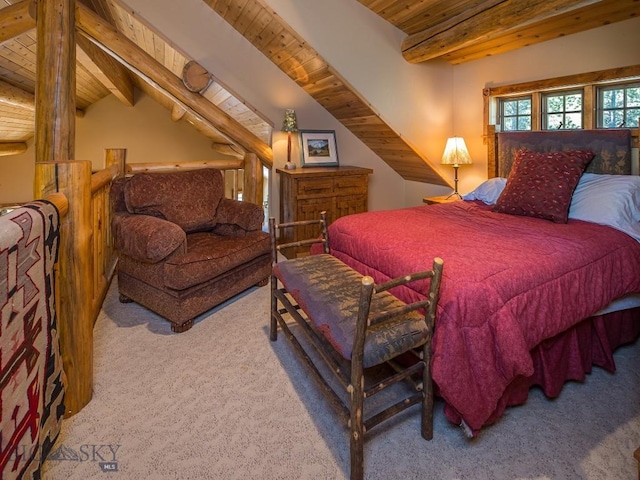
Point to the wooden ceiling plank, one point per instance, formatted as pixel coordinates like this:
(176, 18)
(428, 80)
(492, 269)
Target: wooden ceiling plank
(235, 11)
(95, 28)
(268, 34)
(260, 21)
(105, 69)
(247, 16)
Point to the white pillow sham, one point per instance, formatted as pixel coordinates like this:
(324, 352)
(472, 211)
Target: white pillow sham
(487, 191)
(612, 200)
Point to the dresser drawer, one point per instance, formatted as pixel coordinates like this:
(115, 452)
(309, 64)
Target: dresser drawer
(314, 186)
(352, 185)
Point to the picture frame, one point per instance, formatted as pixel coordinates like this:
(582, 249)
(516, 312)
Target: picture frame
(319, 148)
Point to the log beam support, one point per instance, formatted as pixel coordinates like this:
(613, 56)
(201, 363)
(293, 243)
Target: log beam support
(12, 148)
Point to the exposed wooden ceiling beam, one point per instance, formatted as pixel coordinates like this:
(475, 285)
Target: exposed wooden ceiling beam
(592, 16)
(108, 71)
(464, 30)
(16, 97)
(17, 19)
(12, 148)
(137, 60)
(270, 34)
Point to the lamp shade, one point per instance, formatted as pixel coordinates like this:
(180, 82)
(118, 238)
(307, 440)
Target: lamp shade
(289, 124)
(455, 152)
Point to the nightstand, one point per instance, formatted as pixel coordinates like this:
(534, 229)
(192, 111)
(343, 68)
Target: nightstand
(441, 199)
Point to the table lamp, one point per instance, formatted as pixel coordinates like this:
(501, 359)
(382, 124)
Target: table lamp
(456, 154)
(289, 125)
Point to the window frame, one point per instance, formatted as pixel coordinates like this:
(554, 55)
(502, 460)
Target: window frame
(588, 83)
(564, 93)
(600, 109)
(502, 116)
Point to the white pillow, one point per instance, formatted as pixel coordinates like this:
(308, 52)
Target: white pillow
(487, 191)
(612, 200)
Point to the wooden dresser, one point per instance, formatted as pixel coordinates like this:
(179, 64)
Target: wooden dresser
(305, 192)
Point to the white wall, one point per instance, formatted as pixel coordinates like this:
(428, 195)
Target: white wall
(606, 47)
(145, 130)
(414, 99)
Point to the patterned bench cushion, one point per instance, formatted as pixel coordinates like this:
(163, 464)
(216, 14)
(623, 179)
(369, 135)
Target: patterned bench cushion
(329, 291)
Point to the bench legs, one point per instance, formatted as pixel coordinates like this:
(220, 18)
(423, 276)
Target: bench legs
(356, 425)
(273, 324)
(427, 394)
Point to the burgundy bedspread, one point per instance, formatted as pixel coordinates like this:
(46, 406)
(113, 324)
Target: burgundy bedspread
(509, 283)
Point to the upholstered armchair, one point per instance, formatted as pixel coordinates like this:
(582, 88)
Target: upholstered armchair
(182, 247)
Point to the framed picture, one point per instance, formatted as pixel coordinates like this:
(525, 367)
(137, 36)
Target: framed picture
(319, 148)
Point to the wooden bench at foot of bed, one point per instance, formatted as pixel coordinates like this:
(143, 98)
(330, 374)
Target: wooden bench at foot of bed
(356, 328)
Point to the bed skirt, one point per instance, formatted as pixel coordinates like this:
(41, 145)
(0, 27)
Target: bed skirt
(569, 356)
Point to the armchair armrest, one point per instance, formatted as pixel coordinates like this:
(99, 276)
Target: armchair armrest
(234, 213)
(147, 239)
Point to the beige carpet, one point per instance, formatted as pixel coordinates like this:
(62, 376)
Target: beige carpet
(222, 402)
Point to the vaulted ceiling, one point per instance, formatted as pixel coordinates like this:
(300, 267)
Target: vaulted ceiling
(117, 53)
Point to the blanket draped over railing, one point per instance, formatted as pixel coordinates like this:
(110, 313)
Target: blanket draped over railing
(31, 375)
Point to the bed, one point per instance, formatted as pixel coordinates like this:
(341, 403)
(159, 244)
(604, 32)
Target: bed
(527, 297)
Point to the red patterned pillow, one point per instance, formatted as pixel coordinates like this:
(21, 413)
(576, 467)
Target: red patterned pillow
(541, 184)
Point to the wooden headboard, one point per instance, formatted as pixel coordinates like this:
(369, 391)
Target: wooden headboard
(612, 148)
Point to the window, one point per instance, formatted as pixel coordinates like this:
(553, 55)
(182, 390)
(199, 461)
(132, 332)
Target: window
(562, 110)
(619, 106)
(515, 114)
(599, 99)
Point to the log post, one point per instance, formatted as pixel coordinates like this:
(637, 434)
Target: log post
(75, 273)
(55, 80)
(116, 156)
(253, 180)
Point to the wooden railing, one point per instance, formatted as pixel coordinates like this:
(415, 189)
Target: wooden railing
(87, 259)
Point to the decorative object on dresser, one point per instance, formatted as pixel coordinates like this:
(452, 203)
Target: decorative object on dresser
(319, 148)
(456, 154)
(305, 193)
(289, 125)
(184, 248)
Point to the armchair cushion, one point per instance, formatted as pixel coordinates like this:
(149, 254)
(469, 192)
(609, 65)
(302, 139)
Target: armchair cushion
(210, 255)
(145, 238)
(188, 198)
(243, 215)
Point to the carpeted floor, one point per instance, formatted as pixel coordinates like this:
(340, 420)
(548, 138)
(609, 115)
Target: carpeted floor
(222, 402)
